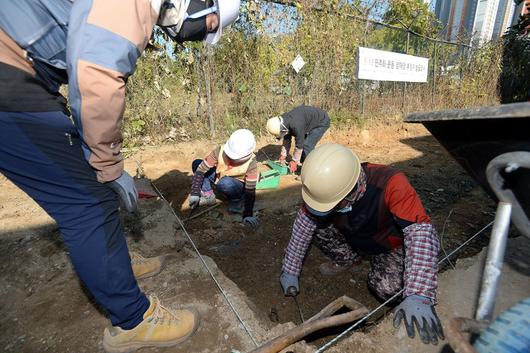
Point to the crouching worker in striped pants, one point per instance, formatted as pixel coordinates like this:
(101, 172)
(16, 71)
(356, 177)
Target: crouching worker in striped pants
(353, 208)
(233, 169)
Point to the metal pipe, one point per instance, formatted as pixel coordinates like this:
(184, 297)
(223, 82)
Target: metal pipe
(433, 92)
(509, 163)
(363, 82)
(457, 326)
(404, 93)
(494, 260)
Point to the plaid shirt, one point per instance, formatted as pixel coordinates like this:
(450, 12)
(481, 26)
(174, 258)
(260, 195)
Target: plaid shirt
(303, 228)
(421, 253)
(421, 260)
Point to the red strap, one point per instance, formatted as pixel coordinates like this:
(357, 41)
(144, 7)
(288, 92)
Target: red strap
(145, 195)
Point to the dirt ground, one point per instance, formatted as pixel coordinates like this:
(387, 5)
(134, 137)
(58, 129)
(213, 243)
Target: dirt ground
(45, 308)
(252, 259)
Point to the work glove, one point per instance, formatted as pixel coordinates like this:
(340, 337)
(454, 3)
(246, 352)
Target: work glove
(293, 166)
(419, 311)
(289, 284)
(251, 221)
(126, 190)
(281, 160)
(194, 201)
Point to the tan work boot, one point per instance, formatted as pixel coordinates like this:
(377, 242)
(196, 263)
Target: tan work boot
(144, 267)
(161, 327)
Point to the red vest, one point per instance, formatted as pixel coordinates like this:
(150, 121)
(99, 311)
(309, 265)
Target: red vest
(376, 222)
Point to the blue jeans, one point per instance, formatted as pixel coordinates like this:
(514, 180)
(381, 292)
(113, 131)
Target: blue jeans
(231, 188)
(41, 154)
(209, 177)
(312, 139)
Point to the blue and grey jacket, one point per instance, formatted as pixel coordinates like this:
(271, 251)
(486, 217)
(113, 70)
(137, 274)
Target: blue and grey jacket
(92, 45)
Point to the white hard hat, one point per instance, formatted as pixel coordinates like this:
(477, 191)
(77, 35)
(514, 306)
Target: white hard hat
(328, 175)
(240, 144)
(228, 11)
(275, 126)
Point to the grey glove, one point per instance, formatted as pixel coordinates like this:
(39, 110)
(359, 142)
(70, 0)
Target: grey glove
(251, 221)
(419, 311)
(126, 190)
(289, 284)
(194, 201)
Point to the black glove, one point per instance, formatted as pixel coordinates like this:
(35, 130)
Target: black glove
(251, 221)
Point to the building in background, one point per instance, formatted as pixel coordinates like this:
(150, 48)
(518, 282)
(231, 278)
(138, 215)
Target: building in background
(457, 18)
(485, 20)
(504, 17)
(474, 21)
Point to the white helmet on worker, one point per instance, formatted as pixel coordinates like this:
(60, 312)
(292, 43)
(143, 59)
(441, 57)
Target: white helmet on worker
(276, 127)
(241, 144)
(228, 12)
(328, 175)
(174, 17)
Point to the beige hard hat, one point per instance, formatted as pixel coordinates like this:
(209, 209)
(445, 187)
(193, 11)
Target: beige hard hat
(275, 126)
(328, 175)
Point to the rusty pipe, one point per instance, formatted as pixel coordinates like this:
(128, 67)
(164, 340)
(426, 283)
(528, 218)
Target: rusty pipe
(459, 325)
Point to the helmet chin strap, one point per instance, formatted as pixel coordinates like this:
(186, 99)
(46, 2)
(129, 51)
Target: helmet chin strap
(242, 160)
(282, 125)
(283, 129)
(201, 13)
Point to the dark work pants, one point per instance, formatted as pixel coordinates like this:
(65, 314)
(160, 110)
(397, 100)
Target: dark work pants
(386, 269)
(41, 154)
(312, 139)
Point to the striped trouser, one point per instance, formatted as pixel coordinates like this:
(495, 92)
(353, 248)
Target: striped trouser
(386, 269)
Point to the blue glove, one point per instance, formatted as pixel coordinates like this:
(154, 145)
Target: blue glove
(251, 221)
(126, 190)
(289, 284)
(418, 311)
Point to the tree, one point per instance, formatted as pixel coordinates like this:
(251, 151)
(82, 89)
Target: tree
(413, 15)
(514, 82)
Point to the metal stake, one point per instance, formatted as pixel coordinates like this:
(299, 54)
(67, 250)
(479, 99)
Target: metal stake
(494, 260)
(299, 309)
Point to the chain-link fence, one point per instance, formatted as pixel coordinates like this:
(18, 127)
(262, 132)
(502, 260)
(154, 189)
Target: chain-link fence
(201, 91)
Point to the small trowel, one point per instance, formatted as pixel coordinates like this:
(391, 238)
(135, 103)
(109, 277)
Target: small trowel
(292, 292)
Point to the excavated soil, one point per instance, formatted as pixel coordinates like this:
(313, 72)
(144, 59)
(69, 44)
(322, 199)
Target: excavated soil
(45, 308)
(252, 259)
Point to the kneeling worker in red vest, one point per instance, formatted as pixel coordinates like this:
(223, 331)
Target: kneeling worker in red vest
(353, 208)
(234, 170)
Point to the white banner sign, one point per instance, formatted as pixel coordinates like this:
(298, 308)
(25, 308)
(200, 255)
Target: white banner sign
(388, 66)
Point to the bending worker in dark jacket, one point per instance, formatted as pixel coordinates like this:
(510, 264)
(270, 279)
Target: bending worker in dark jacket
(352, 208)
(307, 125)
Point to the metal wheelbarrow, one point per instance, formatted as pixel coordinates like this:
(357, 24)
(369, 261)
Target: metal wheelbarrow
(493, 145)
